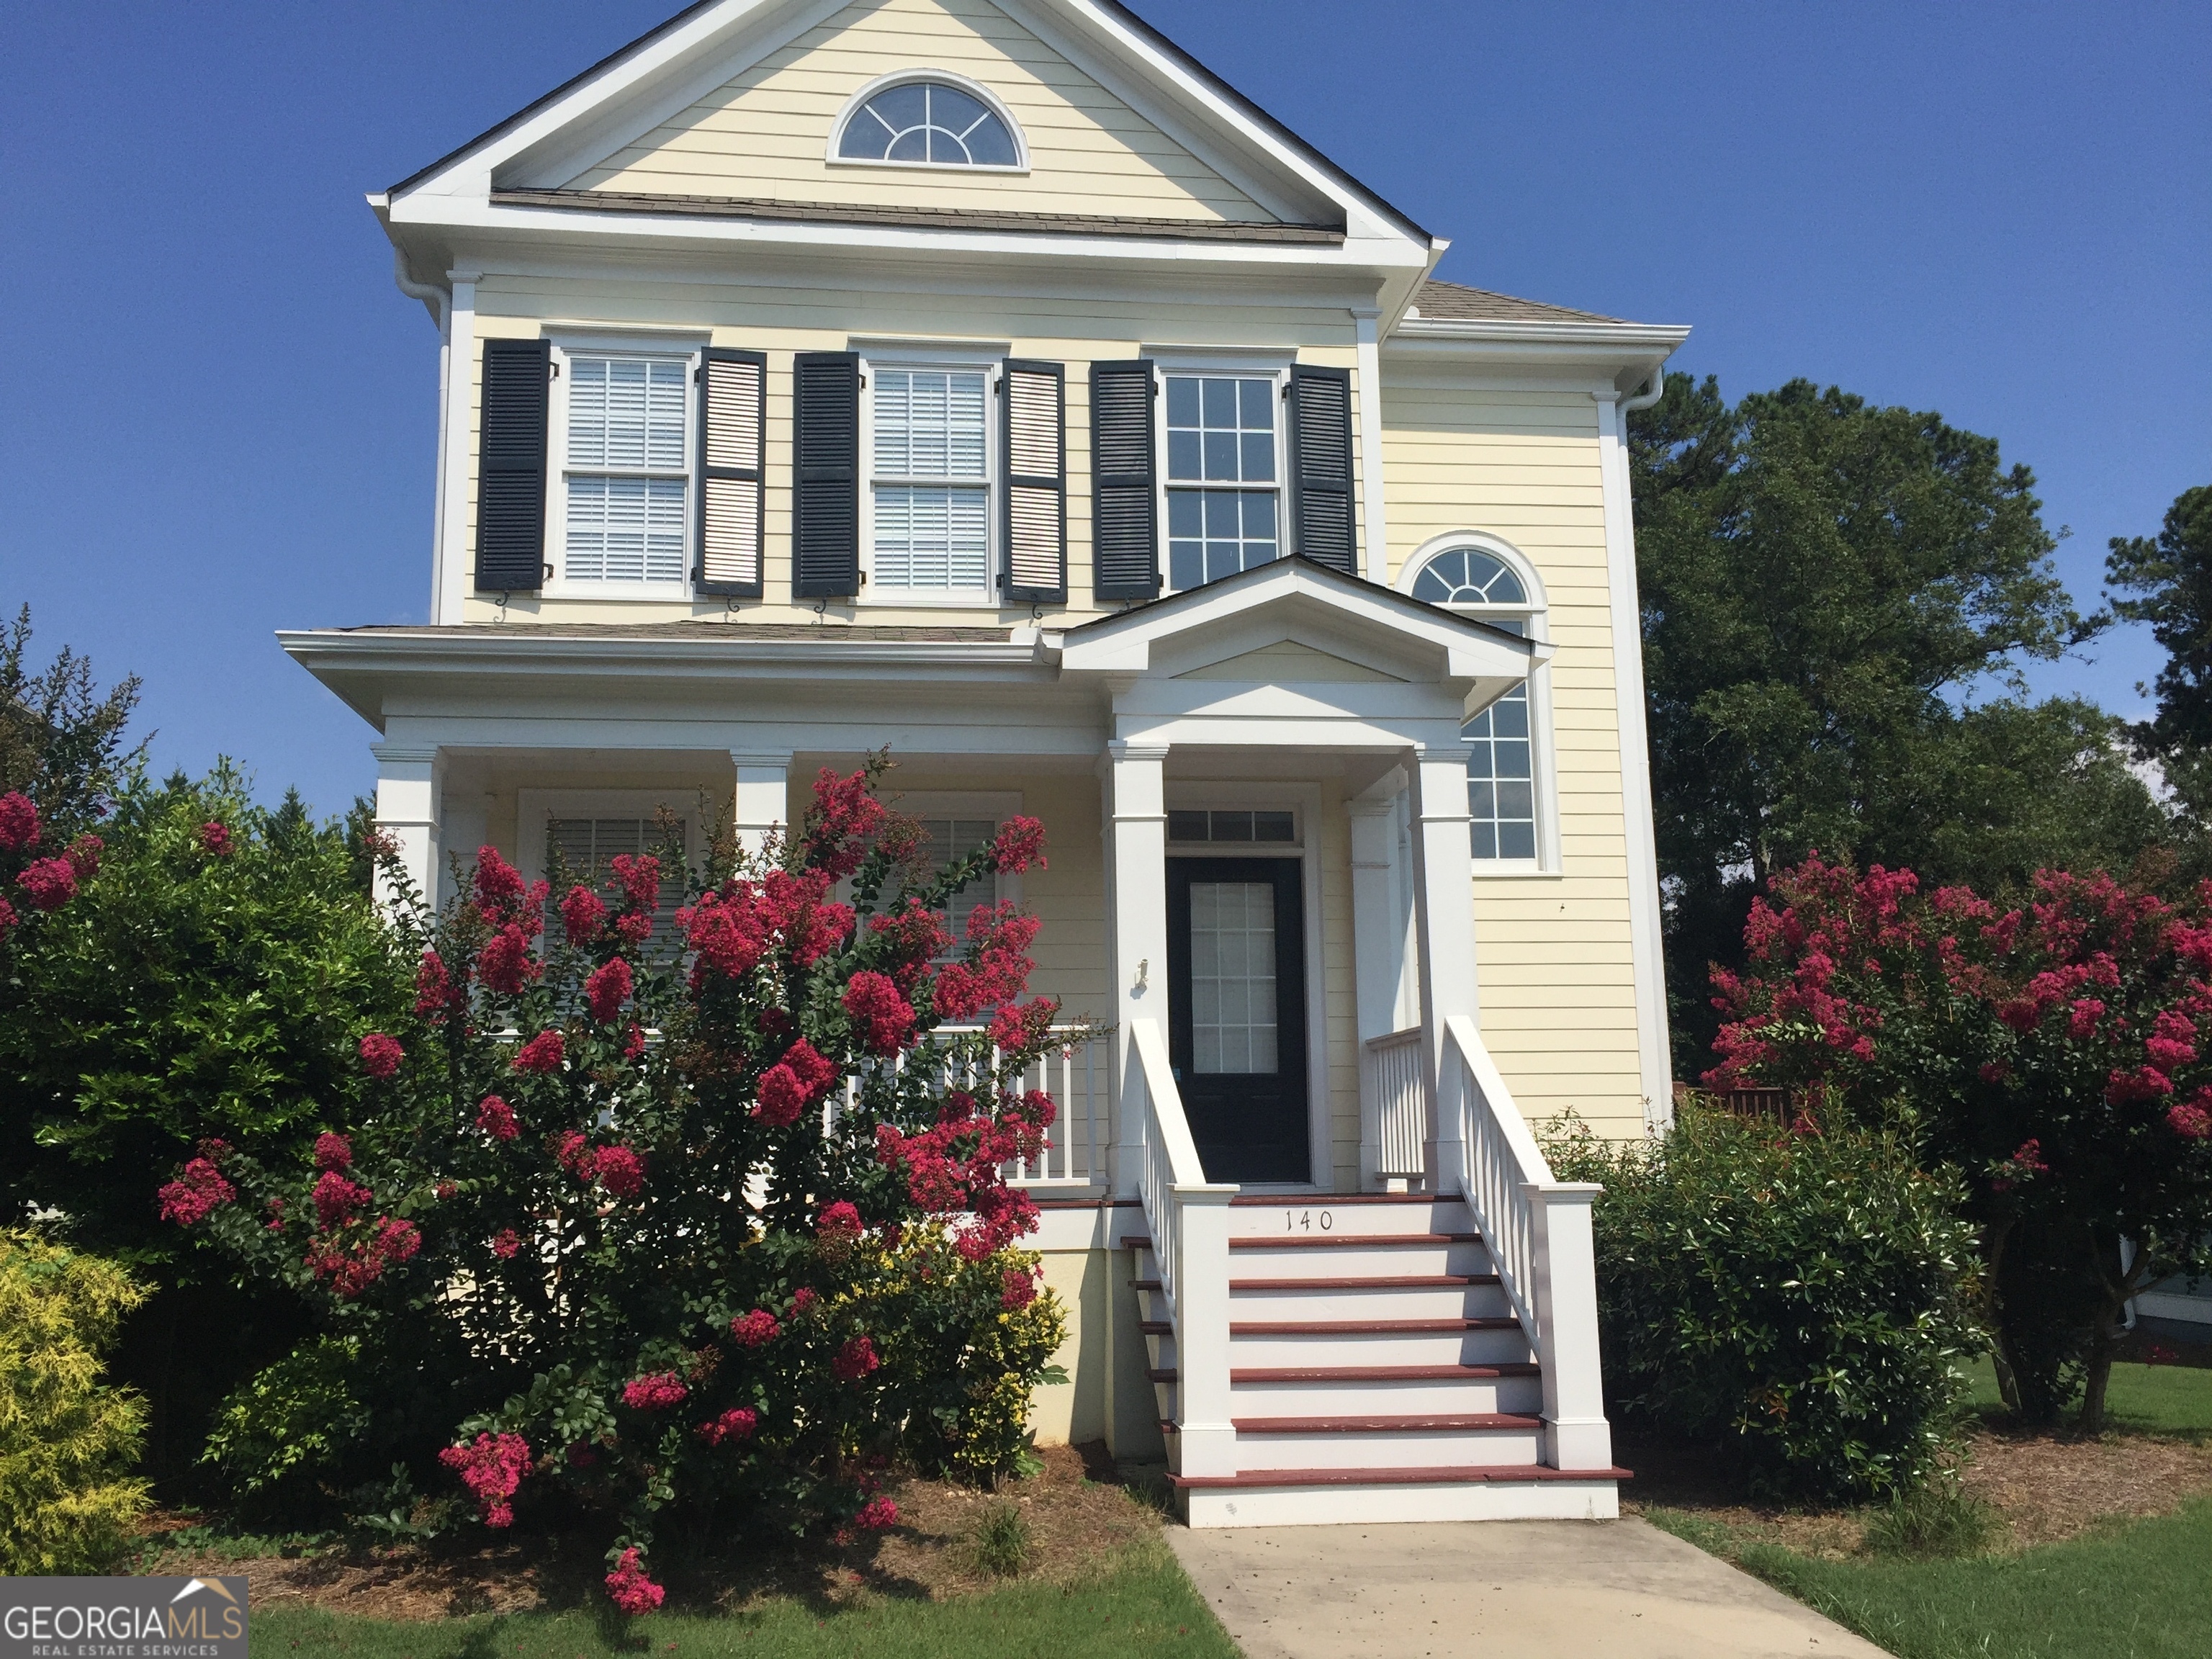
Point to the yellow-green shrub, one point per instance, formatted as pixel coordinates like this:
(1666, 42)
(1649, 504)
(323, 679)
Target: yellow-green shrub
(67, 1442)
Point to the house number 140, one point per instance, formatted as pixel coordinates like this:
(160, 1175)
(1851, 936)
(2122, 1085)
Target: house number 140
(1302, 1221)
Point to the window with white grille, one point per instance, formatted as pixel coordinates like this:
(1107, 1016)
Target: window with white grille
(930, 476)
(587, 848)
(626, 468)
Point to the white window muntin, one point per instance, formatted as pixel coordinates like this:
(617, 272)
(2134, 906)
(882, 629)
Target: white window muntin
(929, 451)
(1177, 495)
(982, 95)
(1494, 737)
(619, 510)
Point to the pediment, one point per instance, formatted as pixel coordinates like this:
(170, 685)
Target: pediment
(1289, 662)
(735, 100)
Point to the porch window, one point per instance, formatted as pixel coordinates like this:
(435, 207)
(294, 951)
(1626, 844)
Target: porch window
(1224, 498)
(951, 840)
(1501, 759)
(930, 481)
(587, 848)
(626, 468)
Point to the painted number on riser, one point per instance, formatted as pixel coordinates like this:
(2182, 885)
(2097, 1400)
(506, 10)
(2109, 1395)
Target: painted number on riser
(1307, 1221)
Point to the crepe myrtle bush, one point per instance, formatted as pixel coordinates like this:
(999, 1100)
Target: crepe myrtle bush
(641, 1226)
(2054, 1050)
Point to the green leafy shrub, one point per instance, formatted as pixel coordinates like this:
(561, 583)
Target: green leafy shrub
(1806, 1297)
(1936, 1519)
(67, 1442)
(295, 1420)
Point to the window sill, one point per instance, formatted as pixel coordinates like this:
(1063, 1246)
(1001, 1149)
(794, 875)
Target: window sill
(666, 592)
(931, 598)
(1504, 869)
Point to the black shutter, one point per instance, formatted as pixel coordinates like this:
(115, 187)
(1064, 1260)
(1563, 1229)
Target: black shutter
(511, 467)
(1125, 533)
(732, 441)
(1033, 399)
(825, 507)
(1320, 466)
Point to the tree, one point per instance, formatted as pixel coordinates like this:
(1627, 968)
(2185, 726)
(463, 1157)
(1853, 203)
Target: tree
(2172, 575)
(1831, 593)
(61, 740)
(2050, 1052)
(649, 1230)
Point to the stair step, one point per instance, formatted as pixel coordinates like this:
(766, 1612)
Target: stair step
(1365, 1327)
(1334, 1200)
(1355, 1374)
(1449, 1476)
(1470, 1422)
(1322, 1241)
(1379, 1282)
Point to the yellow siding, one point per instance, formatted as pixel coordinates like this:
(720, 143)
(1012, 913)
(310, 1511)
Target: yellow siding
(1558, 986)
(766, 132)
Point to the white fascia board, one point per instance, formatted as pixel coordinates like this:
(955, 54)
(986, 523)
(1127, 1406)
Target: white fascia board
(462, 219)
(1419, 339)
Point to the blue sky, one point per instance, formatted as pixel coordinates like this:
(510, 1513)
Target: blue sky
(221, 413)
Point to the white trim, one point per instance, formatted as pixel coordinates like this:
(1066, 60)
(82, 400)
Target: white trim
(1542, 734)
(463, 374)
(1636, 801)
(1304, 802)
(664, 348)
(975, 89)
(534, 808)
(966, 361)
(1374, 515)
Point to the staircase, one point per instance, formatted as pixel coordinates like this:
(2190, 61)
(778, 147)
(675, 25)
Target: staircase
(1376, 1372)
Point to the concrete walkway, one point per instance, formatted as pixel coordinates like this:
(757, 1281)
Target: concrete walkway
(1501, 1590)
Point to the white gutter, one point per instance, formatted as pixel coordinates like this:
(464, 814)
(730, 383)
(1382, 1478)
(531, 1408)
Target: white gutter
(1645, 400)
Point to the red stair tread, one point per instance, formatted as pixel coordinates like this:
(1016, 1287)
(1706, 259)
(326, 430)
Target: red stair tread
(1369, 1327)
(1379, 1282)
(1477, 1421)
(1471, 1475)
(1338, 1200)
(1372, 1373)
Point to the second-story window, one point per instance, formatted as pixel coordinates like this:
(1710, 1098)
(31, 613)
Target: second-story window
(626, 462)
(1223, 505)
(929, 513)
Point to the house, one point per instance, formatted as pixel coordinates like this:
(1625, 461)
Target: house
(987, 381)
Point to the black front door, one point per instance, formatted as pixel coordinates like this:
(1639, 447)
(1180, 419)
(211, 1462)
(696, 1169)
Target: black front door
(1236, 1014)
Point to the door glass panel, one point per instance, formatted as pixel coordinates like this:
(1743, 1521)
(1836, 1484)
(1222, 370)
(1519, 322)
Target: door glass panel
(1232, 977)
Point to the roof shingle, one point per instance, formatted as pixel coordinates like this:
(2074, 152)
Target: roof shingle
(1451, 302)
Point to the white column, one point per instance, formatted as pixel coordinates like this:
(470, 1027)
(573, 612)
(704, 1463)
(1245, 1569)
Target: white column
(763, 795)
(1375, 524)
(1655, 1061)
(1205, 1438)
(1378, 951)
(407, 781)
(456, 429)
(1138, 862)
(1576, 1434)
(1444, 917)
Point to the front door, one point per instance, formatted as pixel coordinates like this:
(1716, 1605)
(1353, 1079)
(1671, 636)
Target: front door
(1236, 1014)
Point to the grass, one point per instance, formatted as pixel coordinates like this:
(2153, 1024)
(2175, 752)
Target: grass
(1139, 1605)
(1000, 1544)
(2173, 1401)
(2136, 1589)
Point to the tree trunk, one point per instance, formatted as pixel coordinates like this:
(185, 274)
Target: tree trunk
(1993, 1249)
(2119, 1288)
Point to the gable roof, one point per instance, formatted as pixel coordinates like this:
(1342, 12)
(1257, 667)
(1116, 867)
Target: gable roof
(705, 21)
(1441, 301)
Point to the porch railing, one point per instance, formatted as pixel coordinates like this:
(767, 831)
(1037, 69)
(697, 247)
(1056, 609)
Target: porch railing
(1395, 1063)
(1538, 1230)
(1188, 1220)
(1074, 1072)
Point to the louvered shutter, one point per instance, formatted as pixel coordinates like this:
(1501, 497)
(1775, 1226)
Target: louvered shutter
(511, 466)
(733, 441)
(825, 517)
(1125, 540)
(1034, 399)
(1320, 466)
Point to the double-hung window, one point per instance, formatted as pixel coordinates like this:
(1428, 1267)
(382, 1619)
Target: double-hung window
(930, 481)
(626, 469)
(1224, 467)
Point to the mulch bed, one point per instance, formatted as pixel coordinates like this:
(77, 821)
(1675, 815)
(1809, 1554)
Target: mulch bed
(2045, 1487)
(1080, 1513)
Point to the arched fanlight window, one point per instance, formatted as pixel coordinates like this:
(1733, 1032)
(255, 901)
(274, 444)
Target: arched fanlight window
(1501, 752)
(928, 123)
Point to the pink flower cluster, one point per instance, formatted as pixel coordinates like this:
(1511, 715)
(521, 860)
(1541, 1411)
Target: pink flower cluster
(542, 1054)
(583, 915)
(877, 1515)
(628, 1587)
(1020, 843)
(883, 1016)
(655, 1393)
(350, 1268)
(618, 1168)
(436, 993)
(838, 826)
(755, 1329)
(19, 822)
(996, 969)
(380, 1054)
(47, 884)
(736, 1424)
(956, 1165)
(491, 1467)
(855, 1360)
(794, 1082)
(496, 1118)
(607, 988)
(215, 839)
(199, 1190)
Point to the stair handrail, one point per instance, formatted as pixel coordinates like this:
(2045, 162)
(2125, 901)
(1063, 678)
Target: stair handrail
(1188, 1217)
(1538, 1230)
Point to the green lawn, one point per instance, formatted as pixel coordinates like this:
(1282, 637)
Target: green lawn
(2140, 1589)
(1143, 1606)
